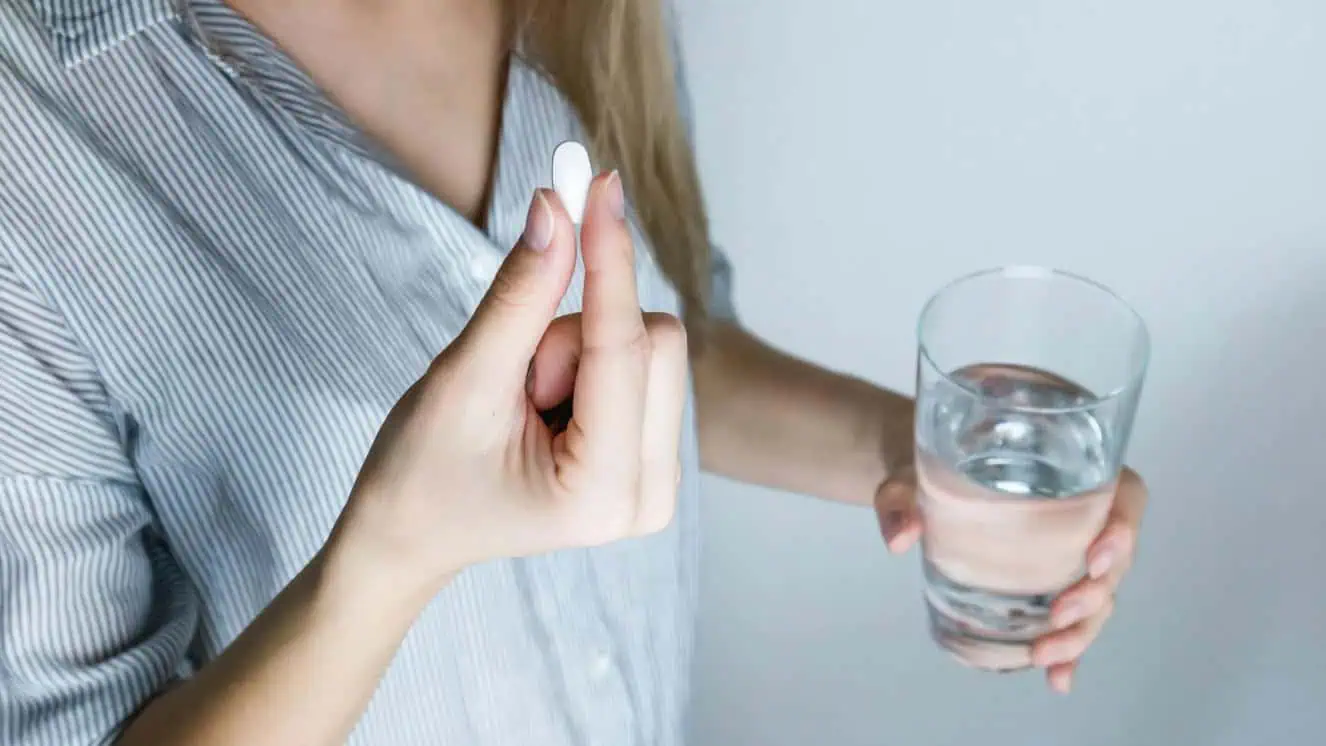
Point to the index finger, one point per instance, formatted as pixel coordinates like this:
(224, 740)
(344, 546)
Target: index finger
(608, 416)
(1113, 548)
(1129, 499)
(612, 317)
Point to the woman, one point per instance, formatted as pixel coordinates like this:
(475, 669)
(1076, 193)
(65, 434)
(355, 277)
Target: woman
(244, 499)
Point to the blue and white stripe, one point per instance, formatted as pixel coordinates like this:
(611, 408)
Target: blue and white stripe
(211, 293)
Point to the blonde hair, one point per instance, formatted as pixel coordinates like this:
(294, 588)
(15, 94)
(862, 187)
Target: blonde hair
(613, 60)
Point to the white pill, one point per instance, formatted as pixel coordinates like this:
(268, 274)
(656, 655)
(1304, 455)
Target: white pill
(571, 174)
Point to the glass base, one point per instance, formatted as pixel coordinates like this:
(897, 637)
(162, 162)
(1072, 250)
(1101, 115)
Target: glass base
(974, 651)
(982, 629)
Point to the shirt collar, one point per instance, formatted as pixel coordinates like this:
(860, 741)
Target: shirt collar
(82, 29)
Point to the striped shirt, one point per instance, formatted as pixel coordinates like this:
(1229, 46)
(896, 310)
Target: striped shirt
(212, 290)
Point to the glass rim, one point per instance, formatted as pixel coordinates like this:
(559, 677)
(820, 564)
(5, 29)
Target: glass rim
(1035, 272)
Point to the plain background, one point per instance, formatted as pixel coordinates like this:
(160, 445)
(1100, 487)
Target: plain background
(859, 153)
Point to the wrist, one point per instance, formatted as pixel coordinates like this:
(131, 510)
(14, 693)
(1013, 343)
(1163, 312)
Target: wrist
(356, 563)
(884, 435)
(895, 425)
(865, 436)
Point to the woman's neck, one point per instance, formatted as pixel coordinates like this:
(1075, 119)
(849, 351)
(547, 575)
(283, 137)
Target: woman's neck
(423, 78)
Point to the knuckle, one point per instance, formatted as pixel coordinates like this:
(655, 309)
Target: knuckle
(639, 345)
(508, 290)
(1106, 610)
(657, 505)
(656, 517)
(598, 511)
(667, 334)
(1078, 648)
(617, 513)
(1091, 601)
(627, 340)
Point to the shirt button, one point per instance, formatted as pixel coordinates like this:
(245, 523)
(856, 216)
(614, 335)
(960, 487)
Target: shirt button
(600, 664)
(484, 266)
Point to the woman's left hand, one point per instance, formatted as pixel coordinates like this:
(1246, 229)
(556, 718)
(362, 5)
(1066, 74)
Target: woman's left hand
(1079, 613)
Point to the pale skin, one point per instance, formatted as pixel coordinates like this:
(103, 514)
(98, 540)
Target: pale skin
(304, 670)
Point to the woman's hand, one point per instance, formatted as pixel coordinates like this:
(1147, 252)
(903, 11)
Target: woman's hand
(1079, 613)
(464, 469)
(470, 466)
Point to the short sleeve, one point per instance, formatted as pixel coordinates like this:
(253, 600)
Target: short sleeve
(95, 615)
(721, 303)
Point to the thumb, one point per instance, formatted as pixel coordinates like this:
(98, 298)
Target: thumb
(895, 506)
(506, 327)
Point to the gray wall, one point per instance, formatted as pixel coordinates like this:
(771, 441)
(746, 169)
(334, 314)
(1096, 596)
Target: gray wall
(859, 153)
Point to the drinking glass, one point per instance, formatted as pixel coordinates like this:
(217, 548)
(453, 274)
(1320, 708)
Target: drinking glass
(1027, 385)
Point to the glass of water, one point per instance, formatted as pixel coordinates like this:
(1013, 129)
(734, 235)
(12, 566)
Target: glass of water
(1027, 384)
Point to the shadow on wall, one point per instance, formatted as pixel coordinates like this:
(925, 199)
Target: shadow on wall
(1245, 512)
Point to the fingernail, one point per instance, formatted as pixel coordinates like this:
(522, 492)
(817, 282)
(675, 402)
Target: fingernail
(539, 223)
(616, 198)
(1101, 564)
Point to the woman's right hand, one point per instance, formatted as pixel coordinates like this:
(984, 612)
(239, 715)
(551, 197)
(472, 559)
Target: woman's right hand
(465, 469)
